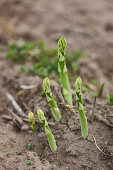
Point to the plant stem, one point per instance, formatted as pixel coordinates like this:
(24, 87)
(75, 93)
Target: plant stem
(31, 119)
(54, 108)
(62, 69)
(83, 119)
(51, 139)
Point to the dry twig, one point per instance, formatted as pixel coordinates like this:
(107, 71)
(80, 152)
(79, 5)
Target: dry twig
(16, 119)
(25, 87)
(97, 145)
(15, 105)
(94, 102)
(100, 118)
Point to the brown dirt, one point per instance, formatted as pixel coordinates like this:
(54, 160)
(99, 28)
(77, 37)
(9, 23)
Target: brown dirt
(88, 26)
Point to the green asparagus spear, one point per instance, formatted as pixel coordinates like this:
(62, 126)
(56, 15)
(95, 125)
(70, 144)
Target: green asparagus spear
(62, 69)
(54, 108)
(32, 121)
(83, 119)
(51, 139)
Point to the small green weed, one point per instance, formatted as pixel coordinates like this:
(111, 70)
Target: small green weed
(35, 153)
(8, 153)
(92, 81)
(30, 162)
(30, 146)
(13, 145)
(110, 99)
(87, 90)
(52, 166)
(100, 89)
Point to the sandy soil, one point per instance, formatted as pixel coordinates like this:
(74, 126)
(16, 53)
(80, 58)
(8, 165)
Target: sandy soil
(88, 26)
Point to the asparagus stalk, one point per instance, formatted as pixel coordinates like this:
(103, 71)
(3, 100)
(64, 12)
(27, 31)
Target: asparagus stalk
(83, 119)
(51, 139)
(54, 108)
(32, 121)
(62, 69)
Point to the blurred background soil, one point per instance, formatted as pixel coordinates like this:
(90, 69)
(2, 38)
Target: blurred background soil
(87, 25)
